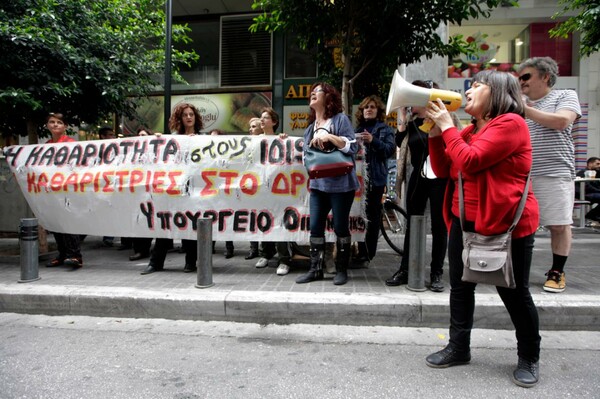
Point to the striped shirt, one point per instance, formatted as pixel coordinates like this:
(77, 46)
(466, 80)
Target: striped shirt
(554, 150)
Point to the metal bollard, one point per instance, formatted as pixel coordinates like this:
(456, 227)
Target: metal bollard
(416, 255)
(204, 247)
(30, 250)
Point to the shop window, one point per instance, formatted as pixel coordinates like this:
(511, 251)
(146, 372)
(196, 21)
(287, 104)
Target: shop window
(503, 47)
(205, 41)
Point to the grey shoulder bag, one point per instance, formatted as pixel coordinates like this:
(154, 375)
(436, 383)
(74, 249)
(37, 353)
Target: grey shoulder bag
(488, 259)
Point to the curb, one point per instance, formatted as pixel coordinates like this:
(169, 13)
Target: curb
(564, 312)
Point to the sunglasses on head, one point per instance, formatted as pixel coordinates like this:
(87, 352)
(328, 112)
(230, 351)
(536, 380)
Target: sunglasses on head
(525, 77)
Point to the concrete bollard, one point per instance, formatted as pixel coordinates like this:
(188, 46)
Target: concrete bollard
(416, 256)
(30, 250)
(204, 248)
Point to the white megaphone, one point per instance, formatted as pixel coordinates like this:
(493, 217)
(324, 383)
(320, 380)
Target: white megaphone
(404, 94)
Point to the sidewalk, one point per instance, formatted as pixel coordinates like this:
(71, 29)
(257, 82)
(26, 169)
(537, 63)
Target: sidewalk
(110, 285)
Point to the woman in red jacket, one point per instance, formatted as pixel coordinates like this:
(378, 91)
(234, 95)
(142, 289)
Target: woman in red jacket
(494, 156)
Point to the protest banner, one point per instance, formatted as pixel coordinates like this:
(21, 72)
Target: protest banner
(252, 188)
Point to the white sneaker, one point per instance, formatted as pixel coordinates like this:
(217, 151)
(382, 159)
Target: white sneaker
(283, 269)
(262, 262)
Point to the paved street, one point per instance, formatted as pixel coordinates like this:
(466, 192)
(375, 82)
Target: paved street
(88, 357)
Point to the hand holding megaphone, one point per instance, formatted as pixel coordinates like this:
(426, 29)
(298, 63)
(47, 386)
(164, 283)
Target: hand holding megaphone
(439, 115)
(404, 94)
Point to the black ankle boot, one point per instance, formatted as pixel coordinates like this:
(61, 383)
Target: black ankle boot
(317, 256)
(342, 260)
(527, 374)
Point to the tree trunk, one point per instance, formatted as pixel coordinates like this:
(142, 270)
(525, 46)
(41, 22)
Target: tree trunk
(32, 132)
(346, 85)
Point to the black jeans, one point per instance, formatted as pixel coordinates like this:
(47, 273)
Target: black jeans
(518, 301)
(368, 248)
(320, 205)
(419, 190)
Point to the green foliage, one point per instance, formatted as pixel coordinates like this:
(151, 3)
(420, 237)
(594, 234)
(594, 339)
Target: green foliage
(83, 58)
(375, 35)
(587, 23)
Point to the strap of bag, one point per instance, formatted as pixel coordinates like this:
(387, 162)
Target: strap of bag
(520, 208)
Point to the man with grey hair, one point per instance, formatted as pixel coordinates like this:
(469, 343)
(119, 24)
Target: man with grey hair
(550, 114)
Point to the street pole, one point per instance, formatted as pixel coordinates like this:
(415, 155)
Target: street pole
(169, 33)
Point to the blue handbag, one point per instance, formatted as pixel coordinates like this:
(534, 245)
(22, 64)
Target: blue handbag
(327, 163)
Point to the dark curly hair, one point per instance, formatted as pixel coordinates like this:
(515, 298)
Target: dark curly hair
(175, 123)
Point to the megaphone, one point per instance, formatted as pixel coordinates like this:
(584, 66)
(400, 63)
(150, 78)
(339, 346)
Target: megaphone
(404, 94)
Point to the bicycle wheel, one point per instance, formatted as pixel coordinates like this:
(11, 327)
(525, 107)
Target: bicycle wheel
(393, 225)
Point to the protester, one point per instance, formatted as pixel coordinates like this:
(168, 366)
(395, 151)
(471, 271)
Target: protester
(185, 120)
(494, 156)
(378, 140)
(327, 194)
(68, 245)
(269, 122)
(420, 189)
(550, 115)
(255, 128)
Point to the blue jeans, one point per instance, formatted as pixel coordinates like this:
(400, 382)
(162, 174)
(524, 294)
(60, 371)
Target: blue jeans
(320, 205)
(518, 301)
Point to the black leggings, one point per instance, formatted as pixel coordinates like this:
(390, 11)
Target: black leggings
(518, 301)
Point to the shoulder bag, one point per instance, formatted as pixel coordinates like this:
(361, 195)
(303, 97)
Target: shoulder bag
(328, 162)
(488, 259)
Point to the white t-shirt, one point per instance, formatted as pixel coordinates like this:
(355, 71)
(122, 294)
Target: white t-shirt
(554, 150)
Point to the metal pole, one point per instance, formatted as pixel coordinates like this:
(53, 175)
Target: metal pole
(416, 256)
(30, 250)
(204, 247)
(168, 57)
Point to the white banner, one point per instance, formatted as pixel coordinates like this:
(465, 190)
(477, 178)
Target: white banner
(253, 188)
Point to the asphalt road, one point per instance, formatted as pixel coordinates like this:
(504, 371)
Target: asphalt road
(89, 357)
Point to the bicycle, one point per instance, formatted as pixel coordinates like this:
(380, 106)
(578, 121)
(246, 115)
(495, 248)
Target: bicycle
(393, 224)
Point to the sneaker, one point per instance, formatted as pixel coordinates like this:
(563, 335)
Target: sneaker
(556, 281)
(262, 262)
(283, 269)
(527, 374)
(448, 357)
(437, 285)
(75, 263)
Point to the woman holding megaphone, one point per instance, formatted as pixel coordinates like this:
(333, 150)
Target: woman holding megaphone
(493, 156)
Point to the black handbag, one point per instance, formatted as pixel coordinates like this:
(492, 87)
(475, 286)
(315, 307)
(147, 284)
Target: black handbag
(326, 163)
(488, 259)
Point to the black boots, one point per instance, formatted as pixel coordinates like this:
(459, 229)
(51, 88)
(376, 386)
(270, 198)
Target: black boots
(342, 260)
(317, 258)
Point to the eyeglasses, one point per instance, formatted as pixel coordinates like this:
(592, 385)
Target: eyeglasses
(525, 77)
(317, 90)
